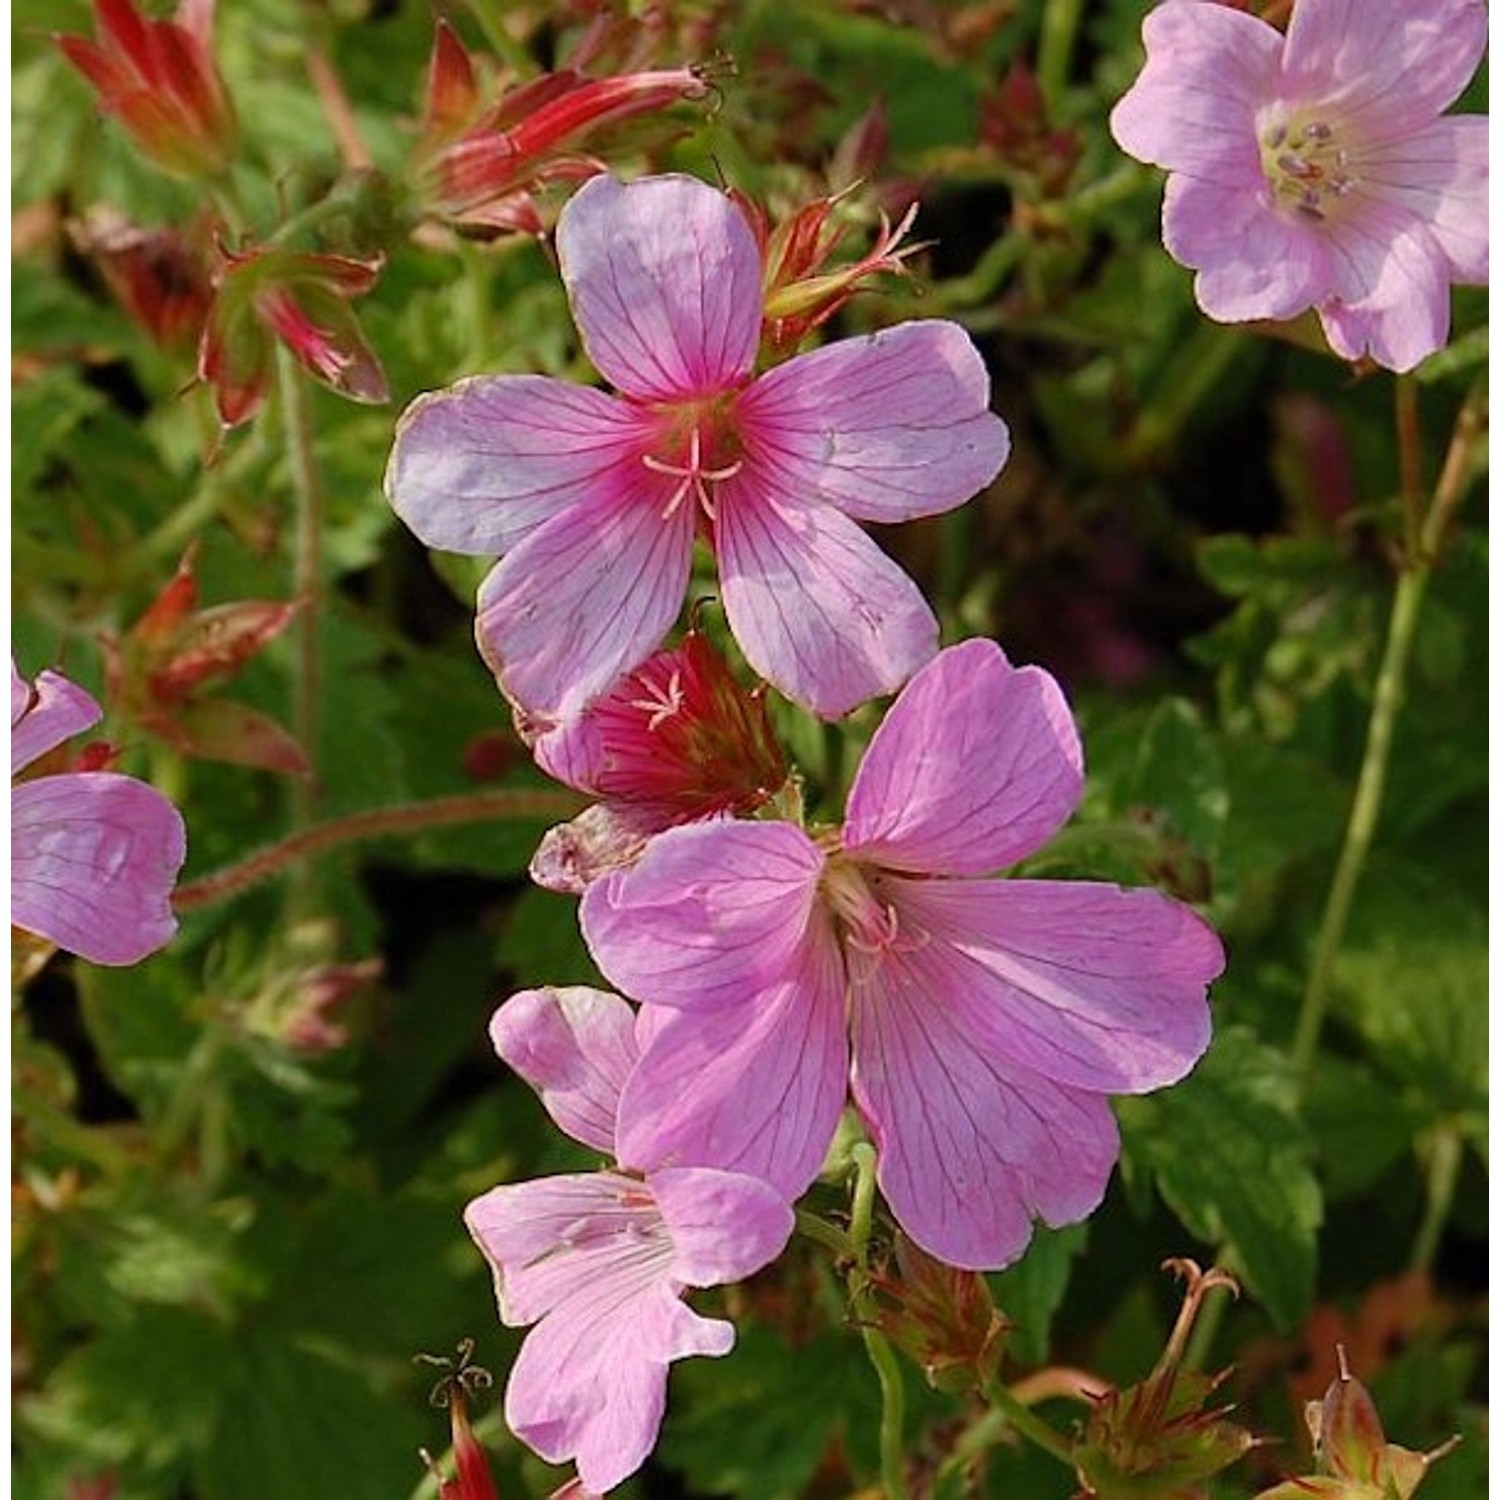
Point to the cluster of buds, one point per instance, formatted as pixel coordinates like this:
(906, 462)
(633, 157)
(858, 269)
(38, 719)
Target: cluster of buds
(158, 78)
(157, 672)
(476, 165)
(804, 287)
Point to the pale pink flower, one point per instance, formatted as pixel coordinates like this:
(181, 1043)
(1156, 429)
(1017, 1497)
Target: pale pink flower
(675, 741)
(599, 1260)
(981, 1024)
(93, 855)
(1313, 170)
(595, 500)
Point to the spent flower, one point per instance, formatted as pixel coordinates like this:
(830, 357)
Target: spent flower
(1317, 169)
(93, 854)
(980, 1023)
(595, 500)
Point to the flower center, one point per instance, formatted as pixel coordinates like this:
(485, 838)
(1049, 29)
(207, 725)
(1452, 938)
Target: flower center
(1306, 166)
(697, 445)
(869, 921)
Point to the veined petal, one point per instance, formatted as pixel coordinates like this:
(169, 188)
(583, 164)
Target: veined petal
(589, 1384)
(753, 1087)
(886, 427)
(1252, 261)
(975, 765)
(1193, 108)
(1087, 984)
(575, 1046)
(93, 857)
(584, 598)
(971, 1146)
(664, 277)
(1384, 67)
(1441, 174)
(724, 1225)
(819, 611)
(480, 466)
(711, 913)
(45, 714)
(1390, 285)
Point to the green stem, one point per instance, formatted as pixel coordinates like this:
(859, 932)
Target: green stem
(1443, 1161)
(1055, 49)
(829, 1236)
(1390, 689)
(1022, 1419)
(1197, 369)
(443, 812)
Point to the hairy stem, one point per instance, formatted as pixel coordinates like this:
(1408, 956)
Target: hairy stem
(307, 843)
(1055, 49)
(1444, 1157)
(1019, 1416)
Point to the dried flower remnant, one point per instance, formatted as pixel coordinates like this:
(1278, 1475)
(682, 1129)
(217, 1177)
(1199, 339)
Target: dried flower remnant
(1317, 170)
(595, 500)
(268, 294)
(473, 1480)
(981, 1024)
(93, 854)
(599, 1261)
(159, 79)
(677, 740)
(477, 165)
(157, 671)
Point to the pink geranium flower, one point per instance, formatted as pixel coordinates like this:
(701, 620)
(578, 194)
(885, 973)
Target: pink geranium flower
(599, 1260)
(93, 855)
(595, 500)
(1313, 170)
(980, 1023)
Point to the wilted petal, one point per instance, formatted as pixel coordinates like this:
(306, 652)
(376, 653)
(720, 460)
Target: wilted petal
(971, 1146)
(754, 1087)
(1087, 984)
(575, 1046)
(604, 837)
(582, 599)
(44, 714)
(711, 912)
(1387, 66)
(664, 278)
(480, 466)
(975, 766)
(818, 610)
(886, 427)
(1252, 262)
(93, 860)
(1209, 69)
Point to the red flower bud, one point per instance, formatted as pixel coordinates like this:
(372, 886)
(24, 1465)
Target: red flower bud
(157, 275)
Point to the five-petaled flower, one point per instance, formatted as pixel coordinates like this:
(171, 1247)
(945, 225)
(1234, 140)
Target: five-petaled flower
(160, 80)
(1313, 170)
(599, 1260)
(93, 854)
(986, 1020)
(595, 500)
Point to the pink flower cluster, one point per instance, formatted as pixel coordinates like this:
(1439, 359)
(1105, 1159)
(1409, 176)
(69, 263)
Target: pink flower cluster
(774, 974)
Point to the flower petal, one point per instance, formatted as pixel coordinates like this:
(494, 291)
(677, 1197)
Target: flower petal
(1087, 984)
(818, 610)
(1384, 67)
(1193, 108)
(575, 1046)
(480, 466)
(1252, 261)
(753, 1087)
(664, 277)
(584, 598)
(724, 1225)
(710, 914)
(971, 1146)
(93, 858)
(1390, 285)
(886, 427)
(45, 714)
(1441, 174)
(604, 837)
(975, 765)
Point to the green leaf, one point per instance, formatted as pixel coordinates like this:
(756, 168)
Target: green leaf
(1233, 1161)
(1179, 770)
(1030, 1292)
